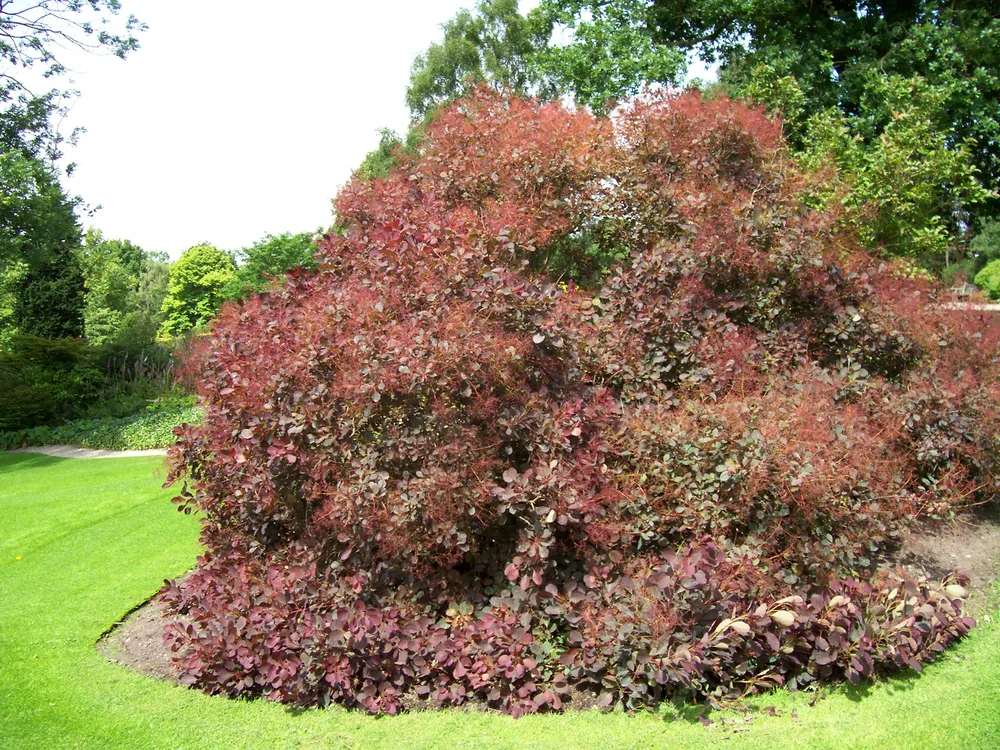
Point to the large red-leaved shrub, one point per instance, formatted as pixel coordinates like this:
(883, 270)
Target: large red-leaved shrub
(578, 406)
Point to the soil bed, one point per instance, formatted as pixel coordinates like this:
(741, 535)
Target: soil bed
(971, 543)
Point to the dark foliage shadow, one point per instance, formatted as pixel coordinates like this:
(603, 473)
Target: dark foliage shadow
(17, 461)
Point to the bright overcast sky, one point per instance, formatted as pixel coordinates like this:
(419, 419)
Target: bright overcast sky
(238, 118)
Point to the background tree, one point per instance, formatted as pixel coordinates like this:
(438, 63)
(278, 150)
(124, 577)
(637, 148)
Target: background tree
(195, 289)
(144, 318)
(383, 157)
(32, 33)
(112, 271)
(493, 44)
(916, 85)
(268, 259)
(905, 97)
(49, 297)
(33, 36)
(36, 215)
(909, 191)
(41, 283)
(611, 55)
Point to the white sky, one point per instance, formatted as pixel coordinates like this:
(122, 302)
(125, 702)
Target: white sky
(238, 118)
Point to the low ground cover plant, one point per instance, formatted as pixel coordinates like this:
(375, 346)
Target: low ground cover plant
(153, 427)
(578, 410)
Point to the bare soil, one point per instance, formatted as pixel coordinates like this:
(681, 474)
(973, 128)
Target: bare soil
(137, 642)
(971, 543)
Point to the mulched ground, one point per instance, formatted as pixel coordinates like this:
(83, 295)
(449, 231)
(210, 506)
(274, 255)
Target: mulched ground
(971, 543)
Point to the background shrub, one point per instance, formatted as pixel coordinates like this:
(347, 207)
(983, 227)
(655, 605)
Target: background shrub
(478, 457)
(50, 381)
(985, 246)
(42, 379)
(989, 279)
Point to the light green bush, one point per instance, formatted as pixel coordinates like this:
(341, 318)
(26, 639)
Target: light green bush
(989, 279)
(195, 288)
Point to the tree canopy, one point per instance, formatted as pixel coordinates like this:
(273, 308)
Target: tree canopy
(119, 279)
(195, 289)
(268, 259)
(493, 44)
(33, 33)
(41, 285)
(610, 55)
(48, 298)
(34, 36)
(903, 97)
(36, 215)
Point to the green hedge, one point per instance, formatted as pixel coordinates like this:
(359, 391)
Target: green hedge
(148, 429)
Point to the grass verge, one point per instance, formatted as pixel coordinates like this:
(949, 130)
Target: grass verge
(83, 541)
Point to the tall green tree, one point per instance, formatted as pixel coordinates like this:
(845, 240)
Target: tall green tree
(910, 191)
(154, 282)
(196, 288)
(37, 217)
(852, 58)
(48, 299)
(610, 54)
(266, 260)
(606, 53)
(33, 36)
(494, 44)
(41, 283)
(144, 318)
(112, 270)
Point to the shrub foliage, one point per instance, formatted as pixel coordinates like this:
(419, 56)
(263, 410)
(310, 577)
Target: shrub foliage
(988, 279)
(578, 407)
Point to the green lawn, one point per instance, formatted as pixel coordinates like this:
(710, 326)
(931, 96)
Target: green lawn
(82, 542)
